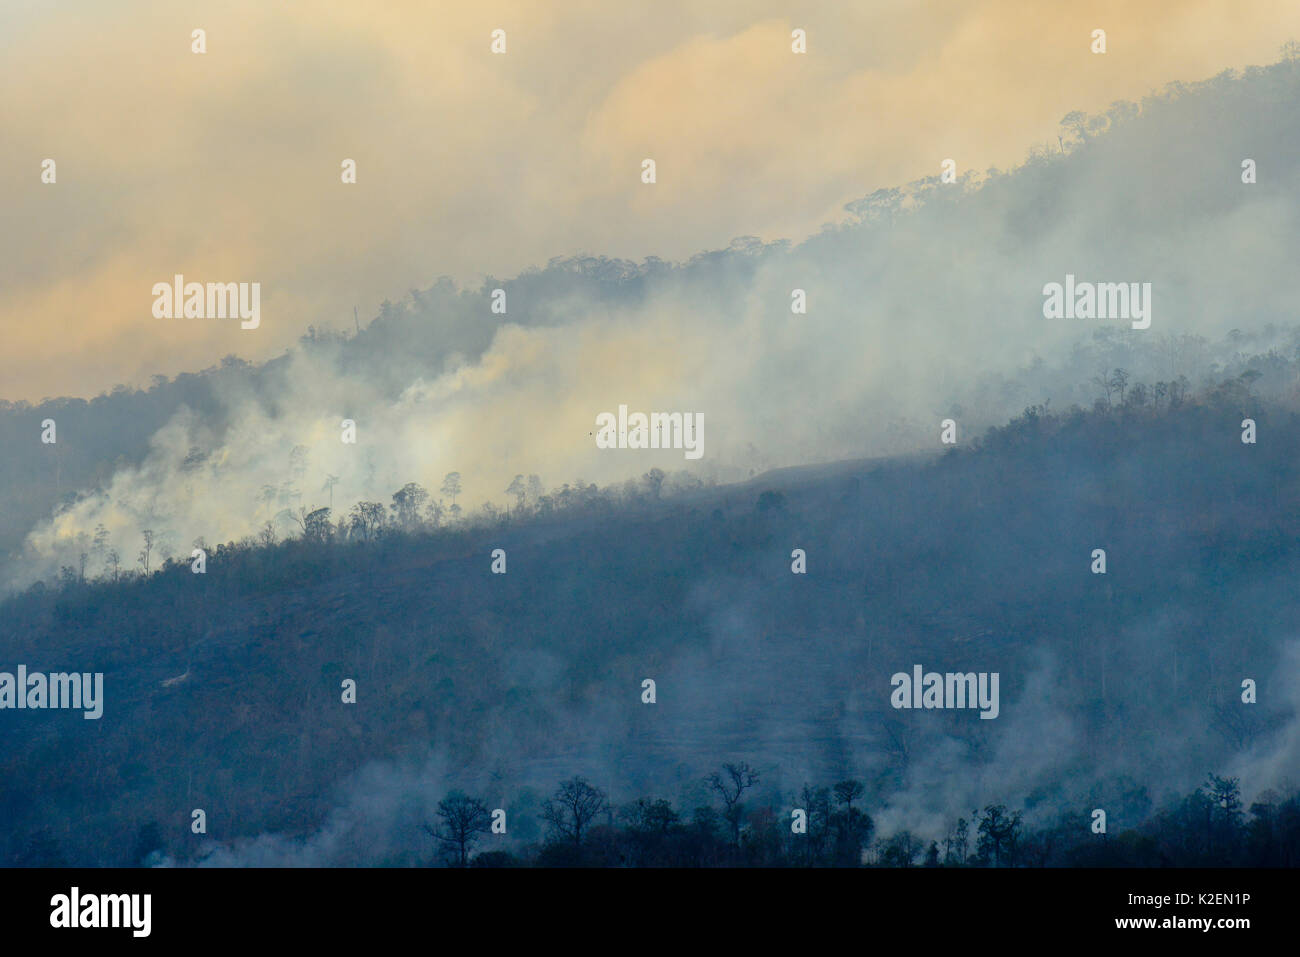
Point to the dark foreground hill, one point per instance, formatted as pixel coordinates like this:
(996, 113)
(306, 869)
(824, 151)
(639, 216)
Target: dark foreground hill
(1118, 690)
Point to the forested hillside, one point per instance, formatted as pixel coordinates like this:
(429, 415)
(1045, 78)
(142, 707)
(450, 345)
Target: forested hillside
(1120, 690)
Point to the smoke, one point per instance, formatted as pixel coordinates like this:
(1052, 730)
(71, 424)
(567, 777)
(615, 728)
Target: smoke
(1274, 762)
(926, 304)
(381, 818)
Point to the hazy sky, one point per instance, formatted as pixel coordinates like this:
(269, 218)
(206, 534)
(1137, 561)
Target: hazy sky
(225, 166)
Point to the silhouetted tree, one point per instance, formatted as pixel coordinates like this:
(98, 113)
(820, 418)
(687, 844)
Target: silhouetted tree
(407, 503)
(146, 550)
(461, 820)
(998, 834)
(368, 520)
(571, 809)
(317, 526)
(730, 784)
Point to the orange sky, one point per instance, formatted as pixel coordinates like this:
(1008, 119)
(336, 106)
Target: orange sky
(225, 166)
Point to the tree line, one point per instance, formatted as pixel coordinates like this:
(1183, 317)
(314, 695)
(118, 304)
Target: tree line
(829, 827)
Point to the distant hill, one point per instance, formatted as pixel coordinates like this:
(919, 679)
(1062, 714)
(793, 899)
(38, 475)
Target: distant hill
(925, 301)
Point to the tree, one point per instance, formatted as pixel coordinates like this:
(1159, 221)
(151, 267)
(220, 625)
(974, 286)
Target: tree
(1106, 383)
(268, 495)
(114, 560)
(999, 833)
(648, 825)
(330, 482)
(571, 809)
(652, 817)
(317, 526)
(368, 519)
(816, 803)
(900, 850)
(1226, 795)
(848, 791)
(407, 502)
(451, 486)
(1224, 799)
(147, 550)
(462, 820)
(517, 489)
(1119, 382)
(957, 843)
(435, 511)
(730, 784)
(99, 546)
(1076, 124)
(852, 827)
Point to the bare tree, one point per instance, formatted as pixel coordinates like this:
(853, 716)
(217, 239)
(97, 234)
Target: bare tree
(1119, 381)
(330, 482)
(368, 519)
(1105, 381)
(147, 550)
(732, 782)
(572, 809)
(462, 820)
